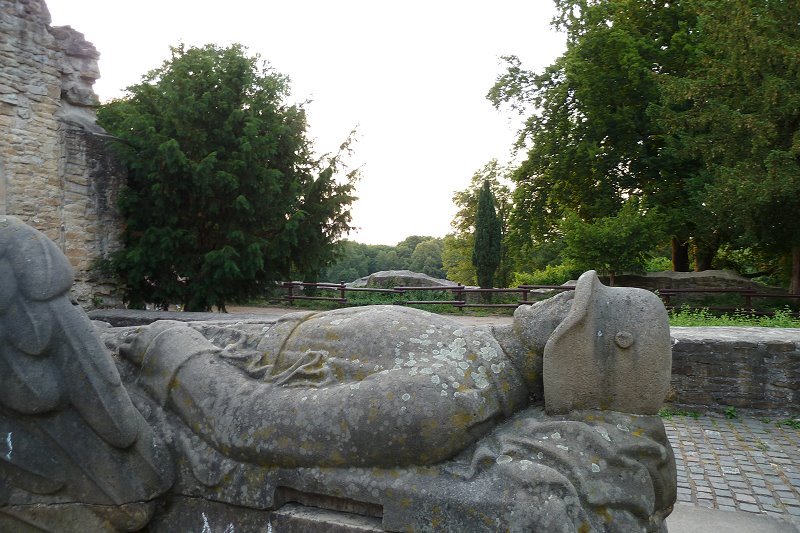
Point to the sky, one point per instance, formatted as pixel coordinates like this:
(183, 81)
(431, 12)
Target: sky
(410, 77)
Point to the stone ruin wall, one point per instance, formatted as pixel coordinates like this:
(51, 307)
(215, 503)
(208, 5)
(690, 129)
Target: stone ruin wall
(56, 172)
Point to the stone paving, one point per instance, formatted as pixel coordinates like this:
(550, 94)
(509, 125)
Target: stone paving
(744, 464)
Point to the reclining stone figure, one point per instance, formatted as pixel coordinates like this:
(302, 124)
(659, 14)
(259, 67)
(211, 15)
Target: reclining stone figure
(438, 426)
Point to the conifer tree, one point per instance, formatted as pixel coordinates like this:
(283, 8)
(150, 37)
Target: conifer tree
(224, 195)
(486, 253)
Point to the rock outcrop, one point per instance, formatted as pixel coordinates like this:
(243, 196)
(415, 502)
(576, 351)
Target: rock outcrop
(386, 279)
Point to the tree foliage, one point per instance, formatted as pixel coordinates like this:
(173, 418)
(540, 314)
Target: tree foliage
(459, 245)
(487, 244)
(613, 244)
(224, 195)
(739, 110)
(356, 260)
(592, 139)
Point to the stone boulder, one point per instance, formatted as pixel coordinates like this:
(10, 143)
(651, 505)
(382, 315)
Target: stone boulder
(688, 280)
(386, 279)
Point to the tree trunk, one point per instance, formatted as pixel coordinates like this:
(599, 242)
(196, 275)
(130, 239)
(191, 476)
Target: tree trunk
(794, 286)
(680, 256)
(703, 257)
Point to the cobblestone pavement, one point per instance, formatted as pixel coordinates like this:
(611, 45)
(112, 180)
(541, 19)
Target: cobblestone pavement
(743, 464)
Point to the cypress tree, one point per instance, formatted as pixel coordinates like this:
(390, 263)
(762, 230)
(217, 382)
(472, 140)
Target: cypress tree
(486, 251)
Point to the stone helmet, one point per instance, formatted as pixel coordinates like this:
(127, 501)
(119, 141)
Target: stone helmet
(611, 352)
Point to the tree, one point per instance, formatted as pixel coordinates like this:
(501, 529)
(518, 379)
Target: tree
(486, 250)
(740, 110)
(592, 139)
(223, 195)
(458, 246)
(612, 244)
(406, 247)
(427, 258)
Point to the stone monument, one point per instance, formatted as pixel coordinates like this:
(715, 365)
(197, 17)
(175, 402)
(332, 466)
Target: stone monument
(385, 418)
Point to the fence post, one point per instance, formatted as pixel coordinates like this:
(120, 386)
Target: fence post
(461, 295)
(289, 286)
(342, 290)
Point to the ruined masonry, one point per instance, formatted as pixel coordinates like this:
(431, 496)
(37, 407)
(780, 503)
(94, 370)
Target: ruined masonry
(55, 170)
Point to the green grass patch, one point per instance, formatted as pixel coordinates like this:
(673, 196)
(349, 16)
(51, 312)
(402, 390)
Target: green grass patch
(782, 318)
(667, 412)
(793, 423)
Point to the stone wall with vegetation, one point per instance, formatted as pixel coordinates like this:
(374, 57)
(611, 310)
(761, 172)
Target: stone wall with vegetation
(55, 170)
(718, 367)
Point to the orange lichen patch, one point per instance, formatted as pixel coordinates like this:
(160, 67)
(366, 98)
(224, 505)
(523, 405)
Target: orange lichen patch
(311, 446)
(335, 458)
(603, 511)
(436, 518)
(584, 527)
(461, 421)
(332, 336)
(390, 395)
(373, 414)
(637, 433)
(263, 433)
(338, 372)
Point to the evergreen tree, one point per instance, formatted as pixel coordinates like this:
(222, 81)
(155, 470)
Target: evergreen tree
(458, 246)
(223, 195)
(486, 252)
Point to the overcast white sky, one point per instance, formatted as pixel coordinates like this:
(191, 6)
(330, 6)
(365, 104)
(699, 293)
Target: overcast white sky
(411, 76)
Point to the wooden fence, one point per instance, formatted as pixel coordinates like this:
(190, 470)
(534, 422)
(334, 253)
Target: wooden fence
(460, 295)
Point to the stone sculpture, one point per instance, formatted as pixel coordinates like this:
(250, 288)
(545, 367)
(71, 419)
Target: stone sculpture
(394, 414)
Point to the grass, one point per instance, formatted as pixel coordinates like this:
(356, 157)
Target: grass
(793, 423)
(782, 318)
(668, 412)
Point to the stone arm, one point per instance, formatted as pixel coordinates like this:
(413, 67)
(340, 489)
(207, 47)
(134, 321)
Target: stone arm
(389, 418)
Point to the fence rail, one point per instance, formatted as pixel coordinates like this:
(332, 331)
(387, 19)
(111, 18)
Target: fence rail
(460, 294)
(748, 294)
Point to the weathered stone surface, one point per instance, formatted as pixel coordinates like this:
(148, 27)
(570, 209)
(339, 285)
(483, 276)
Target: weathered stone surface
(386, 279)
(756, 368)
(56, 172)
(612, 351)
(74, 447)
(412, 421)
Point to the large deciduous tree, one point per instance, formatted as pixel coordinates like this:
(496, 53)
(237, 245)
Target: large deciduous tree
(224, 195)
(487, 243)
(739, 109)
(592, 139)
